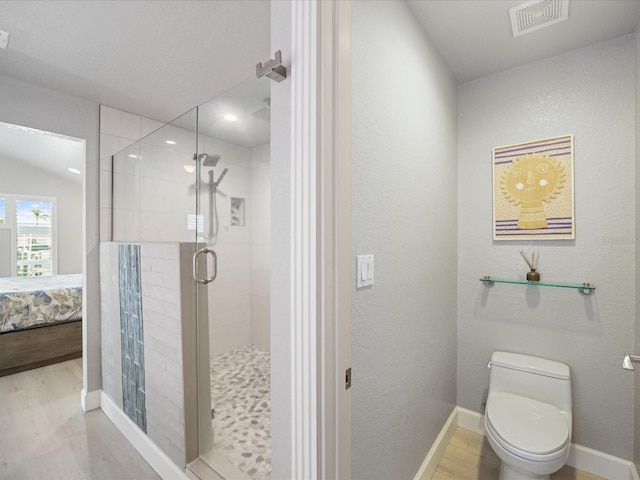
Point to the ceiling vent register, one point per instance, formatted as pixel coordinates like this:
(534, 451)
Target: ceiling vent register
(531, 16)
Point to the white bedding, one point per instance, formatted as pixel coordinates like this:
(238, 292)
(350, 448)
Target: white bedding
(31, 284)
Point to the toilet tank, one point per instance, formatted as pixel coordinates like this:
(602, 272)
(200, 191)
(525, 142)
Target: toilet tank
(532, 377)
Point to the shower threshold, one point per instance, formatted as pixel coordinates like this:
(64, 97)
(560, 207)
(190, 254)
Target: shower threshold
(214, 466)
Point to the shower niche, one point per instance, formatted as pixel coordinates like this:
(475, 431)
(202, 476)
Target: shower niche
(237, 212)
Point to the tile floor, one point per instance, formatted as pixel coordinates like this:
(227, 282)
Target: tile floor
(241, 399)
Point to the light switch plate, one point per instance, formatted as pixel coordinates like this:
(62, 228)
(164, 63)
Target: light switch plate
(364, 271)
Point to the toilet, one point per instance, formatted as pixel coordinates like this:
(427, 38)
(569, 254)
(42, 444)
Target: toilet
(528, 415)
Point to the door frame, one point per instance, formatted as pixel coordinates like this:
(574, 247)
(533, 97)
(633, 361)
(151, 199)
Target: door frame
(335, 248)
(319, 273)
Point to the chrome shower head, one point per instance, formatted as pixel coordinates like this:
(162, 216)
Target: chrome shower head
(209, 160)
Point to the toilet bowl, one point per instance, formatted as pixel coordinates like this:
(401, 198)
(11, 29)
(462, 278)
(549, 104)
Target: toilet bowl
(528, 415)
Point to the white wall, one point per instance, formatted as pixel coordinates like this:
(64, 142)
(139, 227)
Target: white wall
(239, 297)
(118, 130)
(260, 246)
(230, 293)
(43, 109)
(20, 178)
(404, 213)
(590, 94)
(280, 311)
(636, 451)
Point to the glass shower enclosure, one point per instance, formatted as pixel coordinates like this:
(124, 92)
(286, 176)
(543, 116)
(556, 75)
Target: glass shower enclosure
(204, 180)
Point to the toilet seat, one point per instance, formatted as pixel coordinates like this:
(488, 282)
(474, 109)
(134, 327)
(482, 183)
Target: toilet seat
(527, 428)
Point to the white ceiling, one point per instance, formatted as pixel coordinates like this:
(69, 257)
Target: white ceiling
(160, 59)
(475, 37)
(50, 152)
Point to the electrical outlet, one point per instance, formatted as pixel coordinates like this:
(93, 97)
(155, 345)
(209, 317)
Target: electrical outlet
(4, 39)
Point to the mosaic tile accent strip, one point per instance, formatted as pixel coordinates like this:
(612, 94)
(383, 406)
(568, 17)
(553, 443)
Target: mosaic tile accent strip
(131, 335)
(241, 400)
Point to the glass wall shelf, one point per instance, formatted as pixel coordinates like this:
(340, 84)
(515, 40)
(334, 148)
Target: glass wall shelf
(585, 288)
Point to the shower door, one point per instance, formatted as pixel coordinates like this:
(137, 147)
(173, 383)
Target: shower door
(232, 268)
(154, 196)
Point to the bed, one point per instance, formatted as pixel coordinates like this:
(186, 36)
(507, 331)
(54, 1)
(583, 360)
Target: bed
(40, 321)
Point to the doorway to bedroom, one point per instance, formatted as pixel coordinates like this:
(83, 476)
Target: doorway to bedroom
(41, 247)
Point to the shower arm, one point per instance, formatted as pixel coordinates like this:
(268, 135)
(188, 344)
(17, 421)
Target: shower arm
(212, 206)
(224, 172)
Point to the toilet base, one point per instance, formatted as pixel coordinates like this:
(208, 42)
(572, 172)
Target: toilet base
(509, 473)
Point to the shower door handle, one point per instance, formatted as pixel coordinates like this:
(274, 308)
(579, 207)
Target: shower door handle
(205, 280)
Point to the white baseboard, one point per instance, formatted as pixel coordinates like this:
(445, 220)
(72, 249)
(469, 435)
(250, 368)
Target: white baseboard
(470, 420)
(90, 400)
(436, 452)
(582, 458)
(600, 463)
(155, 457)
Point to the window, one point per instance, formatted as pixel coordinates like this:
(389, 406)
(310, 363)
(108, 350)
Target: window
(31, 221)
(34, 242)
(195, 222)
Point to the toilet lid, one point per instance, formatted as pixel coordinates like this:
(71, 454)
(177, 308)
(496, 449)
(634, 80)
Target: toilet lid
(528, 425)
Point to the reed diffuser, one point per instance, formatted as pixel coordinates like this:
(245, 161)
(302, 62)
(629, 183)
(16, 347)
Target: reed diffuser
(532, 276)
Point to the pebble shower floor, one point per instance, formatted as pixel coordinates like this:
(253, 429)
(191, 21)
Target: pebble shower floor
(241, 399)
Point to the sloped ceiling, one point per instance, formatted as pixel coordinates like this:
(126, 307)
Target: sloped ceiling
(44, 151)
(158, 59)
(475, 37)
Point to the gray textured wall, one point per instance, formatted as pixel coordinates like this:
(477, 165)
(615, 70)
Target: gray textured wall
(403, 212)
(589, 93)
(636, 413)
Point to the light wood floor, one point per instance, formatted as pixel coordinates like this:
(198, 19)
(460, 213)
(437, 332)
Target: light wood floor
(470, 457)
(44, 434)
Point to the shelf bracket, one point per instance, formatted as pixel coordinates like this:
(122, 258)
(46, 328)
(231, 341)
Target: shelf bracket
(587, 289)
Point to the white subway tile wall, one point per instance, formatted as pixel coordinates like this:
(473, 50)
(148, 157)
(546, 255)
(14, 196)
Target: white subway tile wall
(153, 196)
(163, 348)
(110, 314)
(162, 334)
